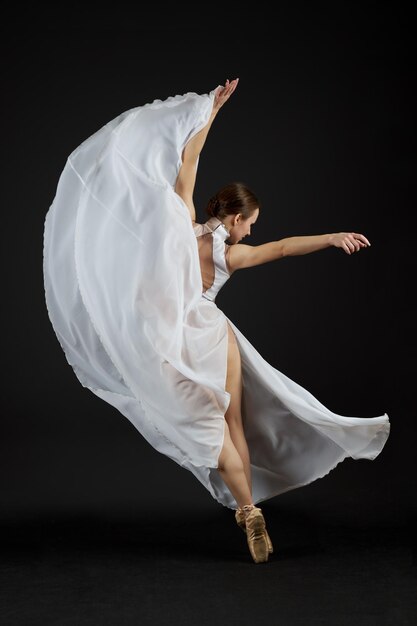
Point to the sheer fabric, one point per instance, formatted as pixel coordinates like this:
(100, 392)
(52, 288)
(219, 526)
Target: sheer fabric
(130, 291)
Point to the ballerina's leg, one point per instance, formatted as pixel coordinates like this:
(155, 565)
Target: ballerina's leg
(231, 463)
(233, 414)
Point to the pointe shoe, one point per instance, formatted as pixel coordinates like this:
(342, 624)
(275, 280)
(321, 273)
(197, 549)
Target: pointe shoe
(241, 522)
(255, 535)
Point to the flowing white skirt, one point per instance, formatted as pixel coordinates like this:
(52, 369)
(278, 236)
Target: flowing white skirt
(123, 292)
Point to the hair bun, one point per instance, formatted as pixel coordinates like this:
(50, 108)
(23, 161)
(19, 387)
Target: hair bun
(232, 199)
(213, 206)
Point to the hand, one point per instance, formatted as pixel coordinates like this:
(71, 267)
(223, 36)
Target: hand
(223, 94)
(349, 242)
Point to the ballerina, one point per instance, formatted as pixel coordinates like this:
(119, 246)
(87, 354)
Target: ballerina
(130, 286)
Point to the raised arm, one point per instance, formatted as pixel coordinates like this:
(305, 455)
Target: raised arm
(242, 255)
(185, 182)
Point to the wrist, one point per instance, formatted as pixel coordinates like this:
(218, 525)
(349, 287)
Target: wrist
(329, 238)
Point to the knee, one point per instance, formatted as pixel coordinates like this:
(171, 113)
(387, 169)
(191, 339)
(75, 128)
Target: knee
(230, 463)
(234, 420)
(229, 459)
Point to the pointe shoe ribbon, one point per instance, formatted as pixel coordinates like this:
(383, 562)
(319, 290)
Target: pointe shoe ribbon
(241, 522)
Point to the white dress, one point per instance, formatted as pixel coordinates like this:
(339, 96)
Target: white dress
(130, 293)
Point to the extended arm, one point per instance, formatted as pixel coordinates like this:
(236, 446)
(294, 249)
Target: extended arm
(185, 182)
(242, 255)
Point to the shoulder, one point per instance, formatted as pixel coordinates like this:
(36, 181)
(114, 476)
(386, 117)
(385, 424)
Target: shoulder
(242, 255)
(238, 255)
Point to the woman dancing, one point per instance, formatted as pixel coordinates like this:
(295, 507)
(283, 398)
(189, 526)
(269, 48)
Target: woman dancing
(130, 286)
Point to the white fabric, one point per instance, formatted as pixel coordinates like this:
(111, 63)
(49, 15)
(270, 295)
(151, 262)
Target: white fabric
(221, 274)
(123, 290)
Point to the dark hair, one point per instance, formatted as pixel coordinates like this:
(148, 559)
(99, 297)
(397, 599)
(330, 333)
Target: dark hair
(232, 199)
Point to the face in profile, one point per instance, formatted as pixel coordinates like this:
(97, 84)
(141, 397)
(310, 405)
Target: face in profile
(240, 228)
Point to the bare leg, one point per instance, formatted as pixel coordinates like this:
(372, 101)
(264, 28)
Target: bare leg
(241, 446)
(230, 467)
(233, 414)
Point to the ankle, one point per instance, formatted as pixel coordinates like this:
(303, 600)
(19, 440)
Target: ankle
(247, 508)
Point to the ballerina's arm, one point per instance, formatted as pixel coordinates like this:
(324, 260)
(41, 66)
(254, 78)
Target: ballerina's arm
(185, 183)
(242, 255)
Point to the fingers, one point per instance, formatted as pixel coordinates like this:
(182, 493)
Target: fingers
(346, 247)
(361, 238)
(225, 92)
(233, 84)
(354, 242)
(229, 87)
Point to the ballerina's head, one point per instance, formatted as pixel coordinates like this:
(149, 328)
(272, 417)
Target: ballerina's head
(237, 207)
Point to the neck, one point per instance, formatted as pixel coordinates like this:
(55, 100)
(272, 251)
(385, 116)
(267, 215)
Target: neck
(228, 231)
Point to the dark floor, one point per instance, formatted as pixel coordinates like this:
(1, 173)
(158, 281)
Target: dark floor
(186, 566)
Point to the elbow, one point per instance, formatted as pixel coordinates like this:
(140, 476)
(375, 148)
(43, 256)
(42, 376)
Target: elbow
(281, 249)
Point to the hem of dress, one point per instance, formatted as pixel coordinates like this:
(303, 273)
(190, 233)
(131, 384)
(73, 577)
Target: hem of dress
(297, 486)
(345, 455)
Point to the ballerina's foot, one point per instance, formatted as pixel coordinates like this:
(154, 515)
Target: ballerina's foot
(241, 522)
(255, 534)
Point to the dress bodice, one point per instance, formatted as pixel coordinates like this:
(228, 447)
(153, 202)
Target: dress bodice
(214, 255)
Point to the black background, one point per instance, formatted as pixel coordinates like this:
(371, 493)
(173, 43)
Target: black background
(322, 128)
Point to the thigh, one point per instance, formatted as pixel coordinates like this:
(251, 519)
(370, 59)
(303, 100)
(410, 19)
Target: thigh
(233, 379)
